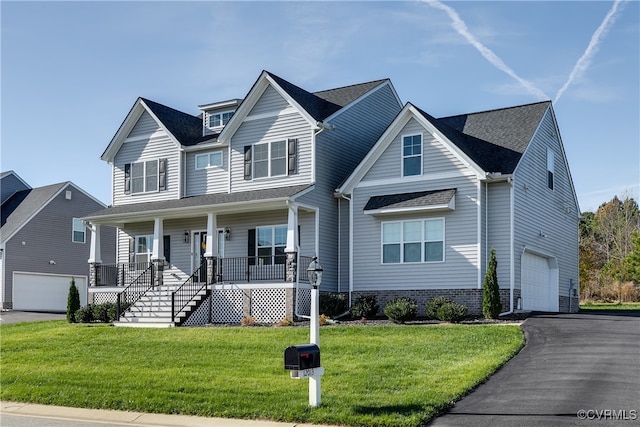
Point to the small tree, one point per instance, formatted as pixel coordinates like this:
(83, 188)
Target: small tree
(73, 301)
(491, 305)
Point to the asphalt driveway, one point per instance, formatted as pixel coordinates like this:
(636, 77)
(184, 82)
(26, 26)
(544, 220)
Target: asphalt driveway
(11, 316)
(576, 369)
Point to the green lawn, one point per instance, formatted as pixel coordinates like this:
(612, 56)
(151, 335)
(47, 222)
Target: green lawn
(399, 375)
(611, 306)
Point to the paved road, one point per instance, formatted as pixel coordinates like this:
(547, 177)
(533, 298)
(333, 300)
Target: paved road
(576, 369)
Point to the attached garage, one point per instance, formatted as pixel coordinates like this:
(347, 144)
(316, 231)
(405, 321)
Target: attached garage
(539, 281)
(45, 292)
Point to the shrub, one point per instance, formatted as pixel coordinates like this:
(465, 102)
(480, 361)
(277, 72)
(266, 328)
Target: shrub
(84, 314)
(105, 312)
(366, 306)
(333, 304)
(433, 306)
(491, 305)
(112, 310)
(73, 301)
(452, 312)
(401, 309)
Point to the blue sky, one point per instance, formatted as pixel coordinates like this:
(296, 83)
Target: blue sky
(71, 71)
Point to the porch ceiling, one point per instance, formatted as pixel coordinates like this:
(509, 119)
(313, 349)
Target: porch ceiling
(221, 203)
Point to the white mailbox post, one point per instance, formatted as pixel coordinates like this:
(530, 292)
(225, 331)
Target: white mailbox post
(315, 278)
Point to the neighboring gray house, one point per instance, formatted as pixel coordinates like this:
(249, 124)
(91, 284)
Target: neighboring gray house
(219, 215)
(434, 196)
(44, 243)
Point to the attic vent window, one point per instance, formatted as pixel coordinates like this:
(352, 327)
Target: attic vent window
(218, 119)
(67, 195)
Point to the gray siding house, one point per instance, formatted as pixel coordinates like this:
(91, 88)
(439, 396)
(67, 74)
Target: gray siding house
(434, 196)
(44, 243)
(218, 215)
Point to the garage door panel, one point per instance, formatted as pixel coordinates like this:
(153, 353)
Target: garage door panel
(45, 292)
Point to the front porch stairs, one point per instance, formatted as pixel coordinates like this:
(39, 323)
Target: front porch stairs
(153, 309)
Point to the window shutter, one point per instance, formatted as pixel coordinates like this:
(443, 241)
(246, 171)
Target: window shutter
(247, 162)
(166, 242)
(127, 178)
(293, 156)
(132, 250)
(251, 247)
(162, 174)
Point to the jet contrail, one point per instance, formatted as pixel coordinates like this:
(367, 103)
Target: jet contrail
(585, 60)
(460, 27)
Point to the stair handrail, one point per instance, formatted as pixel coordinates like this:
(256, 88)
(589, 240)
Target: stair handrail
(186, 292)
(138, 287)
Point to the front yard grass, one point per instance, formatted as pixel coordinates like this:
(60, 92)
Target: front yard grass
(375, 375)
(610, 306)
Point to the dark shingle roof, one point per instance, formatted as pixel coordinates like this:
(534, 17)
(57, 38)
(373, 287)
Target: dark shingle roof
(344, 95)
(196, 201)
(186, 128)
(510, 128)
(409, 200)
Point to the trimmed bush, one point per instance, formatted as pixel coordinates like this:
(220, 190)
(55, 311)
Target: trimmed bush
(452, 312)
(73, 301)
(332, 304)
(84, 314)
(366, 306)
(105, 312)
(401, 309)
(435, 304)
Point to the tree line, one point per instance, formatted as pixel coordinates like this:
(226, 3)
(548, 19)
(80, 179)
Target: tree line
(610, 252)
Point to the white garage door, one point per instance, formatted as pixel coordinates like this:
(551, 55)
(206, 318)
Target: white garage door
(539, 284)
(45, 292)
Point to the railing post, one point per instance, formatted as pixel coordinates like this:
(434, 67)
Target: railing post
(173, 306)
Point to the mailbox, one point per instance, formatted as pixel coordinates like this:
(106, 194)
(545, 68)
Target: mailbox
(301, 357)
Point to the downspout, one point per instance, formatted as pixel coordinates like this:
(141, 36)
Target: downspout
(512, 246)
(350, 246)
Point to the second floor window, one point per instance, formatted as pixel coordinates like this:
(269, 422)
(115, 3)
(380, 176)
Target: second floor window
(204, 161)
(277, 158)
(145, 177)
(550, 169)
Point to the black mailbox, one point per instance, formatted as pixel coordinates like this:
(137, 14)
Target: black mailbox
(301, 357)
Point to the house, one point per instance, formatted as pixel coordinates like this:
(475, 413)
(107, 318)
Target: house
(433, 196)
(219, 214)
(44, 243)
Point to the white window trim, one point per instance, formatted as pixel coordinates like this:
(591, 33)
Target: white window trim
(273, 239)
(422, 242)
(270, 159)
(219, 114)
(402, 156)
(73, 231)
(149, 252)
(208, 155)
(144, 176)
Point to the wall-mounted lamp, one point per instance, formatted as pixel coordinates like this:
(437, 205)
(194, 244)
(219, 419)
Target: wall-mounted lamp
(542, 234)
(227, 233)
(52, 262)
(187, 236)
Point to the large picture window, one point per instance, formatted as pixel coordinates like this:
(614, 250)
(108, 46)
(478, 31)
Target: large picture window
(413, 241)
(411, 155)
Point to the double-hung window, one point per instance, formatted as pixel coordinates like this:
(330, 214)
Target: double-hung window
(271, 242)
(270, 159)
(79, 234)
(413, 241)
(144, 248)
(550, 169)
(207, 160)
(411, 155)
(145, 177)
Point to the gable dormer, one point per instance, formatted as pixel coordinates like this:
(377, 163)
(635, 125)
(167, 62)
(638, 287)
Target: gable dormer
(216, 115)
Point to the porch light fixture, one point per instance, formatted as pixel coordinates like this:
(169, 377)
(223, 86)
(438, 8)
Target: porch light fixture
(315, 272)
(227, 233)
(186, 236)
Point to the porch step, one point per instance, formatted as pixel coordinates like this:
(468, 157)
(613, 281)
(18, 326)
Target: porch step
(154, 309)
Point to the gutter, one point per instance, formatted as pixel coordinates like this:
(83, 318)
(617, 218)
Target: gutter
(511, 245)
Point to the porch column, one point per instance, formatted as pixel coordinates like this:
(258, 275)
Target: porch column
(211, 251)
(292, 243)
(157, 253)
(94, 255)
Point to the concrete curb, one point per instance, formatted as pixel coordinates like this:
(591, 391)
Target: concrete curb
(132, 418)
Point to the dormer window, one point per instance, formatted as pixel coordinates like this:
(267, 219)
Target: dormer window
(216, 120)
